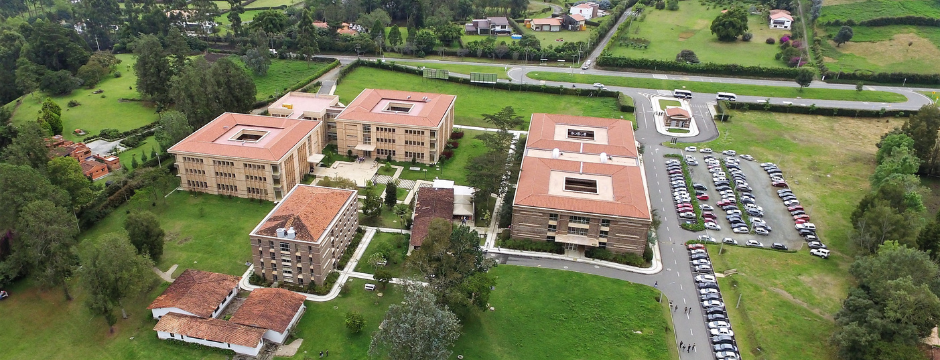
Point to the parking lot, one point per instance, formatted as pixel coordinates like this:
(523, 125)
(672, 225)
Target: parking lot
(775, 212)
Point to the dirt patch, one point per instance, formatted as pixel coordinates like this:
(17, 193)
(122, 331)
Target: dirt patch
(901, 48)
(799, 302)
(685, 35)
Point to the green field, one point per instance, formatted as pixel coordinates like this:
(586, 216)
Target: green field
(394, 247)
(460, 68)
(866, 10)
(97, 111)
(670, 32)
(739, 89)
(283, 74)
(222, 5)
(271, 3)
(894, 48)
(473, 101)
(455, 168)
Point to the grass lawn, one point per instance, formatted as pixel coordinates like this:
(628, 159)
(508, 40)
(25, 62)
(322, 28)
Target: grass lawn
(223, 5)
(283, 74)
(461, 69)
(895, 48)
(271, 3)
(96, 112)
(387, 219)
(207, 232)
(866, 10)
(454, 169)
(558, 38)
(246, 16)
(400, 193)
(473, 101)
(394, 247)
(147, 146)
(828, 161)
(739, 89)
(678, 131)
(670, 32)
(663, 103)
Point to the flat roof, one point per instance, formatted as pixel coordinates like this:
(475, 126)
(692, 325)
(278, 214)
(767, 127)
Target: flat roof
(582, 164)
(299, 102)
(407, 107)
(309, 209)
(265, 138)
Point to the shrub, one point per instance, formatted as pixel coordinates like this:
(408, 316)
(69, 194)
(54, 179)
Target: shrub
(73, 103)
(529, 245)
(117, 74)
(687, 56)
(784, 38)
(660, 5)
(454, 144)
(747, 36)
(456, 135)
(354, 322)
(606, 255)
(59, 82)
(770, 41)
(109, 133)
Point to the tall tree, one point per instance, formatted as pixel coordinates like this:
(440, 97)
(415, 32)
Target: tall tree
(23, 185)
(172, 128)
(843, 36)
(28, 148)
(901, 161)
(66, 173)
(11, 44)
(50, 117)
(928, 240)
(418, 329)
(54, 46)
(235, 16)
(153, 69)
(890, 142)
(391, 194)
(505, 119)
(372, 204)
(235, 90)
(193, 92)
(257, 60)
(46, 235)
(394, 36)
(100, 16)
(111, 271)
(923, 128)
(178, 49)
(28, 74)
(307, 41)
(143, 229)
(730, 24)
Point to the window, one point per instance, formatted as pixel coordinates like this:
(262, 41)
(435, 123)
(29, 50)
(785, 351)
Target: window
(577, 231)
(550, 238)
(285, 247)
(581, 185)
(579, 219)
(604, 234)
(552, 217)
(605, 222)
(552, 228)
(602, 245)
(580, 134)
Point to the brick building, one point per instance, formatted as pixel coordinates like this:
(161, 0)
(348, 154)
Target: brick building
(302, 239)
(248, 156)
(582, 184)
(403, 124)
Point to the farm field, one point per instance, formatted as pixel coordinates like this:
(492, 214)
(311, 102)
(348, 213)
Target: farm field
(473, 101)
(670, 32)
(97, 111)
(894, 48)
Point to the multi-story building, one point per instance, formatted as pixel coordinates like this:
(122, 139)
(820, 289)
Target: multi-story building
(302, 239)
(582, 184)
(405, 125)
(308, 106)
(248, 156)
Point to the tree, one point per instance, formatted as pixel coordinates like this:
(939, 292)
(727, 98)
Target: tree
(172, 128)
(51, 114)
(530, 41)
(425, 40)
(59, 82)
(901, 161)
(804, 78)
(672, 5)
(112, 271)
(45, 237)
(923, 128)
(54, 46)
(28, 75)
(257, 60)
(687, 56)
(928, 240)
(382, 276)
(143, 229)
(417, 329)
(235, 90)
(234, 16)
(843, 36)
(178, 49)
(448, 33)
(338, 182)
(731, 24)
(394, 36)
(91, 73)
(66, 173)
(28, 148)
(391, 194)
(372, 205)
(816, 9)
(307, 41)
(193, 92)
(11, 46)
(21, 186)
(153, 69)
(354, 322)
(270, 21)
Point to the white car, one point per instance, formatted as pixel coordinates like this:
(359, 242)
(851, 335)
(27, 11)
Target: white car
(721, 331)
(761, 231)
(712, 226)
(730, 152)
(809, 226)
(691, 148)
(758, 221)
(729, 241)
(790, 203)
(705, 150)
(703, 268)
(754, 243)
(697, 251)
(706, 238)
(687, 215)
(706, 207)
(701, 262)
(752, 206)
(718, 324)
(746, 157)
(823, 253)
(705, 278)
(728, 355)
(599, 85)
(740, 230)
(708, 291)
(710, 303)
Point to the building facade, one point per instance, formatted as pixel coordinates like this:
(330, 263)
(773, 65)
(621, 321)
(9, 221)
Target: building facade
(582, 184)
(302, 239)
(403, 125)
(677, 117)
(249, 156)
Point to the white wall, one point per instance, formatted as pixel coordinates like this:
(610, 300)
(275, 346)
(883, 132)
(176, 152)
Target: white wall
(587, 13)
(228, 299)
(158, 313)
(245, 350)
(276, 337)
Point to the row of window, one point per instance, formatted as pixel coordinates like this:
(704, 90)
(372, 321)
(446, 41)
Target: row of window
(416, 155)
(579, 220)
(383, 140)
(192, 159)
(385, 152)
(226, 187)
(257, 191)
(199, 184)
(331, 136)
(222, 163)
(415, 143)
(385, 129)
(225, 175)
(414, 132)
(254, 166)
(256, 178)
(195, 171)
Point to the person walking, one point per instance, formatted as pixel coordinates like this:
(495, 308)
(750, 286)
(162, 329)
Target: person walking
(693, 349)
(680, 344)
(686, 309)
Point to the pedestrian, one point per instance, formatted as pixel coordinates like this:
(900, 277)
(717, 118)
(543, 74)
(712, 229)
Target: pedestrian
(688, 349)
(321, 354)
(686, 309)
(327, 353)
(693, 349)
(656, 283)
(680, 344)
(682, 347)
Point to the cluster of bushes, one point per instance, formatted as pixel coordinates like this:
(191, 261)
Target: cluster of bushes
(706, 68)
(116, 194)
(791, 52)
(327, 284)
(114, 134)
(636, 43)
(452, 144)
(820, 111)
(529, 245)
(132, 141)
(456, 135)
(350, 249)
(624, 258)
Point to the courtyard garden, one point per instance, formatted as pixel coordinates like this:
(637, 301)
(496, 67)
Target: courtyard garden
(393, 248)
(473, 101)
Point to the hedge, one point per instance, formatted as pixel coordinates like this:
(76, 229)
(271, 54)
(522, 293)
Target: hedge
(620, 258)
(530, 245)
(350, 249)
(144, 130)
(625, 102)
(814, 110)
(702, 68)
(884, 78)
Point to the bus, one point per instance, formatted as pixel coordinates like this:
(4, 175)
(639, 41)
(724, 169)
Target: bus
(682, 94)
(727, 96)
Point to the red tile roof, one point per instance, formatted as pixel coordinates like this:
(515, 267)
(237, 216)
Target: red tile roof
(430, 204)
(308, 209)
(210, 329)
(546, 21)
(197, 292)
(673, 111)
(206, 140)
(268, 308)
(619, 134)
(430, 114)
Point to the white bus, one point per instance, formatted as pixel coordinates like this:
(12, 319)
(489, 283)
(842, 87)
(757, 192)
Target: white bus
(727, 96)
(682, 94)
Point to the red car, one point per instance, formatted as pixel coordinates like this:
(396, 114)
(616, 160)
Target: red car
(779, 184)
(702, 197)
(795, 207)
(801, 221)
(709, 216)
(804, 217)
(696, 246)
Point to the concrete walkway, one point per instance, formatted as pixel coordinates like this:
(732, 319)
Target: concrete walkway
(166, 276)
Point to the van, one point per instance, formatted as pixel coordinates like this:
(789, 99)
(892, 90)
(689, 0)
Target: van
(727, 96)
(823, 253)
(586, 65)
(682, 94)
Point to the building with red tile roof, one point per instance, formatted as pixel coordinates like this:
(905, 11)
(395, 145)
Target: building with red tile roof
(94, 170)
(248, 156)
(273, 309)
(677, 117)
(241, 339)
(302, 238)
(582, 184)
(198, 293)
(430, 204)
(405, 125)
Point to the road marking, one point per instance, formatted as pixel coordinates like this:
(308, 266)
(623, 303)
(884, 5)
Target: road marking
(683, 301)
(690, 332)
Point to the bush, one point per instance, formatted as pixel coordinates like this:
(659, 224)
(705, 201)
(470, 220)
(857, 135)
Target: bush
(59, 82)
(453, 144)
(747, 36)
(117, 74)
(625, 103)
(354, 322)
(770, 41)
(73, 103)
(624, 258)
(660, 5)
(687, 56)
(456, 135)
(529, 245)
(131, 142)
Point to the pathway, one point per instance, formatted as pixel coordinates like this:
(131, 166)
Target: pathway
(166, 276)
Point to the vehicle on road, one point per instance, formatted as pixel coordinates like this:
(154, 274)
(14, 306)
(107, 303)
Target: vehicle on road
(691, 148)
(746, 157)
(753, 242)
(726, 96)
(729, 241)
(712, 226)
(586, 65)
(823, 253)
(599, 85)
(682, 94)
(705, 150)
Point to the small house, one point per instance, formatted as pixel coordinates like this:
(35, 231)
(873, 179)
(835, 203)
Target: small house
(677, 117)
(548, 24)
(241, 339)
(780, 19)
(487, 26)
(94, 170)
(275, 310)
(573, 22)
(587, 10)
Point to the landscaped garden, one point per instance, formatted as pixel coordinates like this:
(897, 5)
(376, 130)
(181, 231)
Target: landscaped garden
(710, 87)
(669, 32)
(473, 101)
(394, 249)
(117, 103)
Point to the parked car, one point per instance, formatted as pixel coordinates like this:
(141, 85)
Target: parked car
(729, 241)
(706, 207)
(761, 231)
(705, 278)
(712, 226)
(705, 150)
(710, 297)
(717, 324)
(707, 285)
(779, 184)
(716, 317)
(708, 291)
(702, 197)
(823, 253)
(710, 303)
(778, 246)
(703, 268)
(721, 339)
(791, 202)
(696, 246)
(808, 226)
(740, 230)
(727, 355)
(698, 256)
(753, 243)
(698, 251)
(687, 215)
(746, 157)
(691, 148)
(794, 208)
(714, 309)
(701, 262)
(721, 331)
